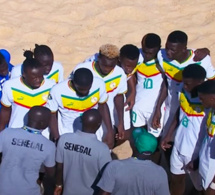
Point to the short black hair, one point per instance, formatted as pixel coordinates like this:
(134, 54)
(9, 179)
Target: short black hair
(151, 40)
(83, 77)
(129, 51)
(208, 87)
(42, 50)
(39, 50)
(2, 59)
(30, 63)
(194, 71)
(177, 37)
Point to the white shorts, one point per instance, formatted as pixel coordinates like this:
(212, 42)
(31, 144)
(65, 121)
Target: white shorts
(210, 174)
(177, 165)
(141, 118)
(167, 120)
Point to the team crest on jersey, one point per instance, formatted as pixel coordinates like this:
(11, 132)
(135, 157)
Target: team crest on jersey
(94, 99)
(20, 98)
(45, 97)
(112, 85)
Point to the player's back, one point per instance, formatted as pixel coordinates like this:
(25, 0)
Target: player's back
(83, 157)
(23, 154)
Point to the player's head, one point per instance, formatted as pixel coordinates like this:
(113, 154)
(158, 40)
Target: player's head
(176, 45)
(6, 55)
(129, 55)
(144, 142)
(32, 71)
(193, 75)
(108, 58)
(91, 120)
(151, 44)
(45, 56)
(206, 92)
(39, 117)
(82, 80)
(3, 66)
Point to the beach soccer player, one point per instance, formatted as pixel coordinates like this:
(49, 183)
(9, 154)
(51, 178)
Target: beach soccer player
(149, 80)
(22, 93)
(73, 97)
(52, 69)
(105, 67)
(173, 59)
(82, 146)
(187, 123)
(206, 159)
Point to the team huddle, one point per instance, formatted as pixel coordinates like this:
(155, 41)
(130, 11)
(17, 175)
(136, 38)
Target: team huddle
(63, 130)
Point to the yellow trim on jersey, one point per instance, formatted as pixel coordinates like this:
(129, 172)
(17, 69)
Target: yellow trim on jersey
(134, 71)
(172, 71)
(211, 123)
(148, 70)
(190, 108)
(112, 84)
(81, 105)
(54, 76)
(29, 100)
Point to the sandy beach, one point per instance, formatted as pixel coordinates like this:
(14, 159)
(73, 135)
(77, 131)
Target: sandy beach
(75, 29)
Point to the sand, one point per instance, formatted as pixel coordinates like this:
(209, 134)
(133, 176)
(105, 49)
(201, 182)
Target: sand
(75, 29)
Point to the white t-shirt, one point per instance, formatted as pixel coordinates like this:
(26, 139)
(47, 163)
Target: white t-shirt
(191, 116)
(207, 152)
(71, 106)
(173, 70)
(115, 82)
(149, 80)
(55, 74)
(21, 98)
(23, 154)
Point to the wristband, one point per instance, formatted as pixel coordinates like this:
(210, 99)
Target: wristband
(59, 186)
(212, 185)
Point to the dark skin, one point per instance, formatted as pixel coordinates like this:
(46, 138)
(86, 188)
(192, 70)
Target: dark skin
(128, 66)
(91, 121)
(103, 108)
(104, 66)
(178, 52)
(46, 61)
(4, 69)
(32, 78)
(81, 91)
(178, 181)
(208, 102)
(39, 118)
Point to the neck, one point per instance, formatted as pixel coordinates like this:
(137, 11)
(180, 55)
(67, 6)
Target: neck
(141, 156)
(98, 69)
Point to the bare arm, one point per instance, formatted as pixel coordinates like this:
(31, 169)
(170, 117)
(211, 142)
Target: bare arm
(130, 95)
(119, 104)
(4, 116)
(59, 179)
(161, 98)
(201, 53)
(172, 129)
(104, 110)
(54, 127)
